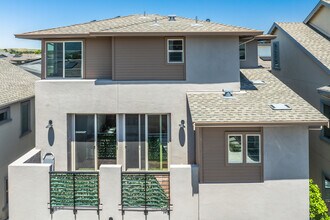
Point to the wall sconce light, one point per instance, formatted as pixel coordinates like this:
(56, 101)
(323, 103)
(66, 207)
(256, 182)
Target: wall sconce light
(50, 124)
(181, 125)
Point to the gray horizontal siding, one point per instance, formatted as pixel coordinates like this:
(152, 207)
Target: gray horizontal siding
(144, 58)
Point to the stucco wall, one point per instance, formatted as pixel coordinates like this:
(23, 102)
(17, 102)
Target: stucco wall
(321, 20)
(57, 98)
(304, 76)
(284, 193)
(251, 56)
(12, 146)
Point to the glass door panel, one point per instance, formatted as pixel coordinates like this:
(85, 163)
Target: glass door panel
(132, 142)
(157, 142)
(84, 142)
(106, 140)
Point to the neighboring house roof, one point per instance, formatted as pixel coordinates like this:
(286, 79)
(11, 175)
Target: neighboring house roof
(322, 3)
(32, 67)
(312, 43)
(16, 84)
(252, 104)
(140, 25)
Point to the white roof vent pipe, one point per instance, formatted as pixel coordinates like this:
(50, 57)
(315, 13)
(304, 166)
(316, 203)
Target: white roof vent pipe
(171, 17)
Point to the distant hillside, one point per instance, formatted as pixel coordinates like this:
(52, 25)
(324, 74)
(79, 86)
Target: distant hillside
(20, 51)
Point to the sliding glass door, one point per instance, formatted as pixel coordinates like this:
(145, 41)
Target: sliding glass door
(84, 142)
(146, 138)
(95, 141)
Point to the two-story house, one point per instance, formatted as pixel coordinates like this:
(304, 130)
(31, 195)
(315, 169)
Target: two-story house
(150, 117)
(17, 125)
(301, 59)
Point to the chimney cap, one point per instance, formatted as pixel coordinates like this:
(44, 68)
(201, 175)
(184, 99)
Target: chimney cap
(171, 17)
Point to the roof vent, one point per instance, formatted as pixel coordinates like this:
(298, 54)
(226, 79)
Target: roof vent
(257, 82)
(196, 22)
(208, 20)
(280, 106)
(228, 93)
(155, 23)
(171, 17)
(93, 20)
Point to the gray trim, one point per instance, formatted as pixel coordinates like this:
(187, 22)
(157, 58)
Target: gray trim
(316, 8)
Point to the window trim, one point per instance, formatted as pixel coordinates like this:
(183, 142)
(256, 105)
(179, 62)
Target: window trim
(322, 103)
(242, 145)
(5, 109)
(244, 52)
(168, 50)
(63, 42)
(23, 133)
(276, 67)
(246, 145)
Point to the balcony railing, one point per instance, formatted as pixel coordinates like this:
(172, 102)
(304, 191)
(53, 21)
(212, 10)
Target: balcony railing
(74, 191)
(146, 191)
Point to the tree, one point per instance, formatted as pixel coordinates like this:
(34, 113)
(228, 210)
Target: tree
(317, 207)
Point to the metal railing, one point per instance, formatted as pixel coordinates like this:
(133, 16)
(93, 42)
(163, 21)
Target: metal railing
(145, 191)
(74, 191)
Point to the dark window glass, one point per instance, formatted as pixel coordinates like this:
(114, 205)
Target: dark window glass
(175, 51)
(242, 52)
(253, 149)
(6, 191)
(326, 112)
(4, 115)
(25, 117)
(276, 55)
(73, 59)
(54, 59)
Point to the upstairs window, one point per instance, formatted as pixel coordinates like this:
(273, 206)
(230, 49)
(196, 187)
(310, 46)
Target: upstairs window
(242, 52)
(25, 117)
(4, 115)
(276, 55)
(64, 59)
(326, 112)
(326, 188)
(175, 50)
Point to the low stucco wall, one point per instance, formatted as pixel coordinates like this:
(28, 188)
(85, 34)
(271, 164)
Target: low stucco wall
(271, 200)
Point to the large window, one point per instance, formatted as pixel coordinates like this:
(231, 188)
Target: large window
(175, 51)
(242, 52)
(243, 148)
(4, 115)
(64, 59)
(25, 117)
(276, 55)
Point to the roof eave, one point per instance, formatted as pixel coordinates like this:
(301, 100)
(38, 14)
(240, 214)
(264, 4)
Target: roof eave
(260, 124)
(109, 34)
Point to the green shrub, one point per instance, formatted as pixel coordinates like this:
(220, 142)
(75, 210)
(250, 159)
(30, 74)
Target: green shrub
(317, 207)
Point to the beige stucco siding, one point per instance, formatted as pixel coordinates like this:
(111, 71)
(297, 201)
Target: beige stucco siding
(98, 60)
(214, 168)
(251, 55)
(144, 58)
(321, 20)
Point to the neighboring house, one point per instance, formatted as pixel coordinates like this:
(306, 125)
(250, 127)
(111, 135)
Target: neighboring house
(16, 122)
(150, 117)
(33, 67)
(301, 59)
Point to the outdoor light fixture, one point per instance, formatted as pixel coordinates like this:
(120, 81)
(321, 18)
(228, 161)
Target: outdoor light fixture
(50, 124)
(181, 125)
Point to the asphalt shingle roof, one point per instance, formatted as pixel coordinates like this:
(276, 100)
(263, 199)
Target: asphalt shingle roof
(317, 45)
(252, 104)
(15, 83)
(141, 24)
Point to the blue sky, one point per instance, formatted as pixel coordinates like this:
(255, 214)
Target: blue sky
(18, 16)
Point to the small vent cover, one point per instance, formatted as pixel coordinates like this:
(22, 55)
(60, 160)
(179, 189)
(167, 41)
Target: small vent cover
(280, 106)
(257, 82)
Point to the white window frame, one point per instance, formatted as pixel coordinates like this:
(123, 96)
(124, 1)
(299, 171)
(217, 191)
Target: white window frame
(63, 42)
(246, 148)
(169, 51)
(242, 147)
(244, 52)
